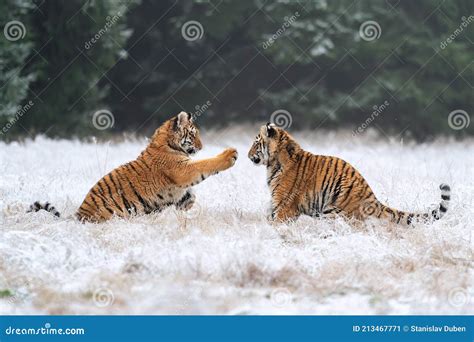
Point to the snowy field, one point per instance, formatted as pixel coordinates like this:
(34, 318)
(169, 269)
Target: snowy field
(223, 257)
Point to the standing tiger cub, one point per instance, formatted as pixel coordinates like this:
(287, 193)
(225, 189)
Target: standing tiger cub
(303, 183)
(161, 176)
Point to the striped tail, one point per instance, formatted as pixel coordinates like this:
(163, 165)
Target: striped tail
(37, 206)
(401, 217)
(443, 206)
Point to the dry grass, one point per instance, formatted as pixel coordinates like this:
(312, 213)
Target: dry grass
(225, 258)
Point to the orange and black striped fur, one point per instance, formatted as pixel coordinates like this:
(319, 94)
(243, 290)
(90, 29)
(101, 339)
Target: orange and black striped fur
(303, 183)
(161, 176)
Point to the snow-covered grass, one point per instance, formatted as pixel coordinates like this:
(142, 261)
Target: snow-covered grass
(224, 257)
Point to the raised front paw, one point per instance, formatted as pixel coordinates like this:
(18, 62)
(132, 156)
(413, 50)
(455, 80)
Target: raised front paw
(229, 156)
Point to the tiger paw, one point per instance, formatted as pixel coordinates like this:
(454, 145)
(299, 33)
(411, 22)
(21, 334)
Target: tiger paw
(186, 206)
(229, 156)
(186, 202)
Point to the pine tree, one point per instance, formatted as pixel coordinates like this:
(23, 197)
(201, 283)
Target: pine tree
(75, 44)
(15, 47)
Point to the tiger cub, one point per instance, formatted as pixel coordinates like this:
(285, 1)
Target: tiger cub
(303, 183)
(161, 176)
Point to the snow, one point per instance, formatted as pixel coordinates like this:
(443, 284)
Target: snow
(224, 257)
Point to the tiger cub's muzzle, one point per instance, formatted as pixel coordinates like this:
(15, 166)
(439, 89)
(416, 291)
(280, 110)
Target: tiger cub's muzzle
(255, 159)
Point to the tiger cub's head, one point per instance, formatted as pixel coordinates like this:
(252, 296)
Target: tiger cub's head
(272, 143)
(264, 144)
(183, 134)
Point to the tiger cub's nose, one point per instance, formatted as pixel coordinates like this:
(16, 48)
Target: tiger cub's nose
(256, 160)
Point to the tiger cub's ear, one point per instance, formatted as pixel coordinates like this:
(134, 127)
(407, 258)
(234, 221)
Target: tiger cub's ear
(182, 119)
(271, 131)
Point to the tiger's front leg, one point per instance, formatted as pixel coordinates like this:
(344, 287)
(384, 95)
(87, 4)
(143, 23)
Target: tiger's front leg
(195, 172)
(186, 202)
(285, 213)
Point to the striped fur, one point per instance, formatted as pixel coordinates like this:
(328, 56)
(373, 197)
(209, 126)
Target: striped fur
(315, 185)
(161, 176)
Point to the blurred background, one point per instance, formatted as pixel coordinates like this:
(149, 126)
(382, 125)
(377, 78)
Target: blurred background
(98, 68)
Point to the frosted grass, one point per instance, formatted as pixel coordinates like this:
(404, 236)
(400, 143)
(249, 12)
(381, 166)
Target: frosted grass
(224, 257)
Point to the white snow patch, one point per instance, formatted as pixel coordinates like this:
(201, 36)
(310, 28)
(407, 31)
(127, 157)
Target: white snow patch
(229, 259)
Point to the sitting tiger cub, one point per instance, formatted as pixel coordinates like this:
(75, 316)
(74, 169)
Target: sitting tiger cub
(161, 176)
(303, 183)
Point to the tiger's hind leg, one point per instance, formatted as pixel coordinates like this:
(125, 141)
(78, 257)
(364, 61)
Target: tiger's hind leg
(330, 213)
(361, 209)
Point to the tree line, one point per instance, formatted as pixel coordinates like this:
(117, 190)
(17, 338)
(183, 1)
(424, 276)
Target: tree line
(401, 67)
